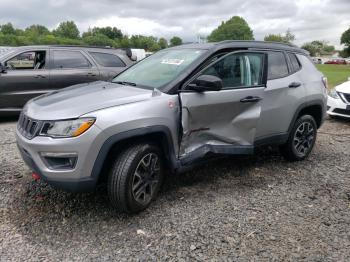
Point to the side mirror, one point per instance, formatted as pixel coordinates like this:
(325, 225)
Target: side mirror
(3, 68)
(206, 83)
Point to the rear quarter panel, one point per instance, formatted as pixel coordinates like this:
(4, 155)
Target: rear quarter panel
(312, 79)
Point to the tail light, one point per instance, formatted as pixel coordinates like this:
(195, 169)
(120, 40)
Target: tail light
(325, 82)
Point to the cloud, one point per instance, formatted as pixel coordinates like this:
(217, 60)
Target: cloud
(308, 20)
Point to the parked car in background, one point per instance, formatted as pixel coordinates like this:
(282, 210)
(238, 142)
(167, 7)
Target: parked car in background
(336, 62)
(170, 111)
(317, 60)
(339, 100)
(27, 72)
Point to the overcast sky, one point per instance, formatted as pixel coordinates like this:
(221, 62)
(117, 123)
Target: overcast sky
(308, 19)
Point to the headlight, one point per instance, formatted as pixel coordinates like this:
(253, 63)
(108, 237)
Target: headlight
(333, 93)
(67, 128)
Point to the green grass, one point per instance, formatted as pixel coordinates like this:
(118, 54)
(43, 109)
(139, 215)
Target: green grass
(336, 74)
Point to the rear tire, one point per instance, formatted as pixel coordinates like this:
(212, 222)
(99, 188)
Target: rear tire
(135, 178)
(301, 139)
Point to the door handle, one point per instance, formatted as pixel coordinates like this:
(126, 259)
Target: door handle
(250, 99)
(294, 84)
(39, 76)
(91, 74)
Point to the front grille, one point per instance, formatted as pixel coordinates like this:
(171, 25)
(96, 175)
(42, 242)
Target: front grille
(27, 126)
(347, 97)
(342, 111)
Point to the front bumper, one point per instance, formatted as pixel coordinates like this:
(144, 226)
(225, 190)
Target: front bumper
(77, 179)
(337, 107)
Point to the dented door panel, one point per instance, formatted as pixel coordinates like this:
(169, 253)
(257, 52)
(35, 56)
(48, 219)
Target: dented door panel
(219, 118)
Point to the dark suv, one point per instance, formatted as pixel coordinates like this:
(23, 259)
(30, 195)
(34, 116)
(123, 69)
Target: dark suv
(29, 71)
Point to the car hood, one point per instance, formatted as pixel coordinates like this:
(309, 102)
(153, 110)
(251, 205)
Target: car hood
(344, 87)
(80, 99)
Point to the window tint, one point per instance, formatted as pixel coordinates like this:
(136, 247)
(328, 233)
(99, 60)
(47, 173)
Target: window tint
(277, 65)
(237, 70)
(107, 60)
(28, 60)
(294, 62)
(69, 59)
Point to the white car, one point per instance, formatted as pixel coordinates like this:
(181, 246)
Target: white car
(339, 100)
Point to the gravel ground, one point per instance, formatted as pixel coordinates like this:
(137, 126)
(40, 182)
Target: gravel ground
(252, 208)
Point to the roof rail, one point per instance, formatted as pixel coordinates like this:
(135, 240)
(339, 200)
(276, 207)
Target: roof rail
(254, 41)
(85, 46)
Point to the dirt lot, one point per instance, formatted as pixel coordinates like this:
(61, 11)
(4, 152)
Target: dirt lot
(252, 208)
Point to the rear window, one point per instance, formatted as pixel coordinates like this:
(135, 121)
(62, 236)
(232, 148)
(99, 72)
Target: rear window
(294, 62)
(277, 65)
(107, 60)
(69, 59)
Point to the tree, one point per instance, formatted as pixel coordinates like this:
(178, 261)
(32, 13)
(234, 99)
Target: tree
(98, 40)
(274, 38)
(37, 30)
(310, 48)
(318, 47)
(148, 43)
(175, 40)
(110, 32)
(345, 52)
(288, 37)
(345, 39)
(235, 28)
(67, 29)
(7, 29)
(163, 43)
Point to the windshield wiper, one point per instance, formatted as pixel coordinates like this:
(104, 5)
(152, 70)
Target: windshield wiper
(126, 83)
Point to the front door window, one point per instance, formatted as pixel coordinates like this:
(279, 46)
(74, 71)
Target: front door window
(27, 61)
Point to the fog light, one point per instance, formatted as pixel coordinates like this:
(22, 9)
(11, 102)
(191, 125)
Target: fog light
(59, 161)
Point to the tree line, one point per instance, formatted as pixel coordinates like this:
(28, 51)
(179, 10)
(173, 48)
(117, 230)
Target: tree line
(235, 28)
(67, 33)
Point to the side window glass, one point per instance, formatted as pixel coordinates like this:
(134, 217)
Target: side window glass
(277, 65)
(107, 60)
(294, 62)
(27, 60)
(69, 59)
(238, 70)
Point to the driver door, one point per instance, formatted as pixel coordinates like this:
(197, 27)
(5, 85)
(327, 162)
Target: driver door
(25, 78)
(224, 121)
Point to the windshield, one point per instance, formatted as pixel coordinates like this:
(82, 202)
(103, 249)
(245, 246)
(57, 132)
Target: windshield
(158, 69)
(4, 51)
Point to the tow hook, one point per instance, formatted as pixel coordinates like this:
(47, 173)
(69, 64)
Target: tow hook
(35, 176)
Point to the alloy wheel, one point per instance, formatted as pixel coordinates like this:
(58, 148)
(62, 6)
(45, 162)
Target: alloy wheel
(146, 178)
(303, 138)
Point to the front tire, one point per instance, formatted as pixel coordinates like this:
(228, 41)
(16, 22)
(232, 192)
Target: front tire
(301, 139)
(136, 177)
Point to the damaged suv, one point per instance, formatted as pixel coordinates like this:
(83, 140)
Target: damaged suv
(170, 111)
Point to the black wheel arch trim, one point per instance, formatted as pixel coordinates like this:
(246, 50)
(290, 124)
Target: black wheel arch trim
(168, 148)
(316, 102)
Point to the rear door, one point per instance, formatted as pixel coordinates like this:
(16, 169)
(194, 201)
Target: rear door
(110, 64)
(70, 67)
(284, 93)
(224, 121)
(26, 77)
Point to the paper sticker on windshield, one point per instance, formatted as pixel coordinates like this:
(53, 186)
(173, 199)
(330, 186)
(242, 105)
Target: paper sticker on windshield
(172, 61)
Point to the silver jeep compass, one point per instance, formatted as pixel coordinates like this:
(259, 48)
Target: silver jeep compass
(170, 111)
